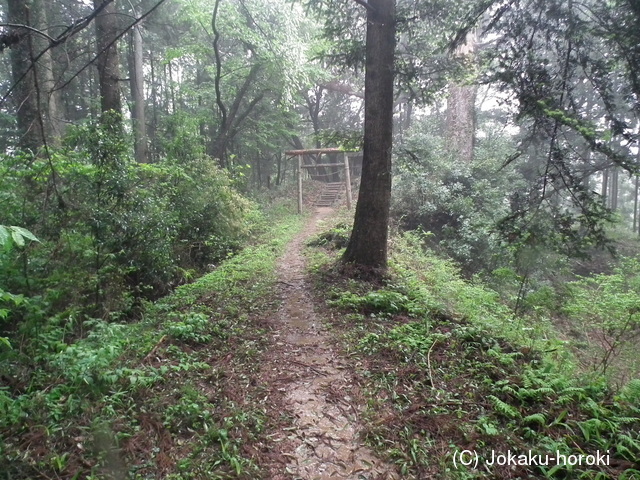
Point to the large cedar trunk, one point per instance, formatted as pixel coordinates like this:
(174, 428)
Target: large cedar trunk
(108, 61)
(461, 106)
(25, 96)
(368, 243)
(461, 121)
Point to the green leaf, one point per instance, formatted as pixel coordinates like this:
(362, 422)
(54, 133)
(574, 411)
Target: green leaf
(17, 238)
(4, 235)
(18, 234)
(25, 233)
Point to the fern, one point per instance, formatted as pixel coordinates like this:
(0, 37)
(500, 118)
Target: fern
(535, 394)
(538, 418)
(625, 452)
(627, 420)
(629, 441)
(631, 392)
(508, 389)
(504, 408)
(571, 393)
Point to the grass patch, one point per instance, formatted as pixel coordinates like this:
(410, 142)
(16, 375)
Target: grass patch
(448, 368)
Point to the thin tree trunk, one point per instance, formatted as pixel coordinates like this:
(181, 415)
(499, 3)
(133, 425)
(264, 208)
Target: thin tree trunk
(635, 206)
(367, 246)
(172, 90)
(155, 99)
(614, 189)
(259, 170)
(279, 165)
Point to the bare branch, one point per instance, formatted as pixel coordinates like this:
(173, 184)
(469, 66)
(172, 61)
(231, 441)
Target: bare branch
(26, 27)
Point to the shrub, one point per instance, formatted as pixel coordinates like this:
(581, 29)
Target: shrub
(606, 309)
(113, 232)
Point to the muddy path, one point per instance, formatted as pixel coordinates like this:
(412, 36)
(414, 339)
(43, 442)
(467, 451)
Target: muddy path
(311, 388)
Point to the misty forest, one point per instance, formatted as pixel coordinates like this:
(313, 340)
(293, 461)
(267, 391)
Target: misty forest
(319, 239)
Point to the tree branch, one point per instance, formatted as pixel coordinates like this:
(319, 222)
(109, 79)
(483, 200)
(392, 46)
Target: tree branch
(365, 4)
(18, 26)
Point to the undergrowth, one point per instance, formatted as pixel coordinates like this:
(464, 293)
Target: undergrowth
(448, 368)
(166, 397)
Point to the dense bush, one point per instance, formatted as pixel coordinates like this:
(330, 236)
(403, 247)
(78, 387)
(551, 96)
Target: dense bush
(460, 204)
(112, 231)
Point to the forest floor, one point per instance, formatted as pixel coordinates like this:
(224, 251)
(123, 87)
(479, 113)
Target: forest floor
(277, 365)
(312, 390)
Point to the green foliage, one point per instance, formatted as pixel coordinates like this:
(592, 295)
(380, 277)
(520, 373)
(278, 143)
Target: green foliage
(98, 390)
(469, 374)
(10, 236)
(459, 204)
(336, 237)
(112, 231)
(631, 393)
(15, 235)
(378, 303)
(606, 308)
(192, 327)
(192, 410)
(436, 282)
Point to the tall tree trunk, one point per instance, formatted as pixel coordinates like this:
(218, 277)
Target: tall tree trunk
(136, 76)
(108, 59)
(461, 109)
(24, 76)
(49, 99)
(53, 98)
(368, 243)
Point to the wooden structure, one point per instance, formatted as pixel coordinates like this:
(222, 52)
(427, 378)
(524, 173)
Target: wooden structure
(310, 160)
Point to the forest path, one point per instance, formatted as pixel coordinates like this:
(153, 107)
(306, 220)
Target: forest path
(311, 388)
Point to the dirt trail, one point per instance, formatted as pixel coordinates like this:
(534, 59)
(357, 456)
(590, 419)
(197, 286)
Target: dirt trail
(315, 385)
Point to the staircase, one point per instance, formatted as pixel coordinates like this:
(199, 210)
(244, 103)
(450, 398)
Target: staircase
(330, 193)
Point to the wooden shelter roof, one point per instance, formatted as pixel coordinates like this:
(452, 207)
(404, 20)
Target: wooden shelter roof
(312, 151)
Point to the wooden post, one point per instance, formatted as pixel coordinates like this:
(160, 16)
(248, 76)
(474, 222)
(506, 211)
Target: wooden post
(299, 183)
(347, 179)
(635, 207)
